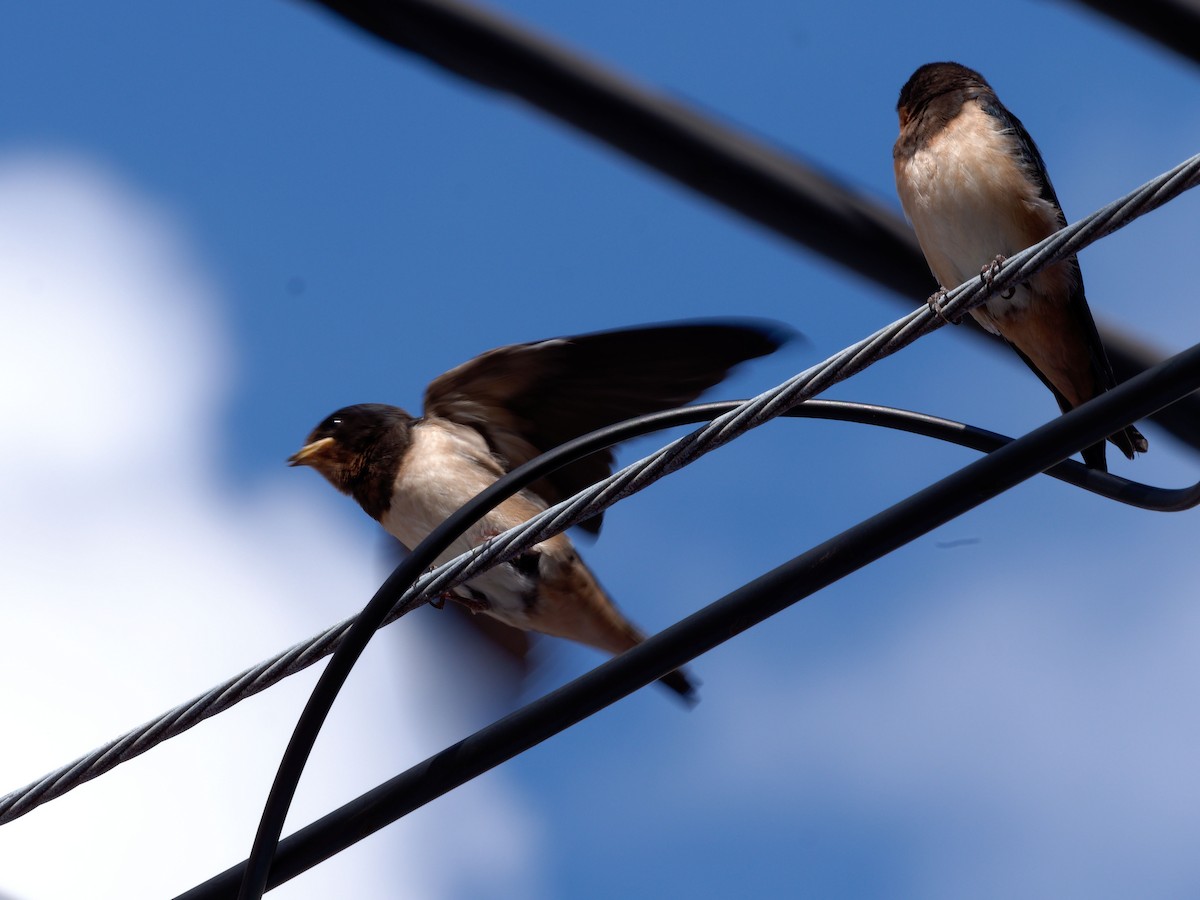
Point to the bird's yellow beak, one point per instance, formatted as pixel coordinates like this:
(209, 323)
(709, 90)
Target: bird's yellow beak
(304, 456)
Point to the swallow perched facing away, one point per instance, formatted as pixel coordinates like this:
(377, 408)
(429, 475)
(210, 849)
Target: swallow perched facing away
(974, 186)
(502, 409)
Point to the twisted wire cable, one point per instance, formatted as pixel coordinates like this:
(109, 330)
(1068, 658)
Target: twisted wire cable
(739, 418)
(809, 383)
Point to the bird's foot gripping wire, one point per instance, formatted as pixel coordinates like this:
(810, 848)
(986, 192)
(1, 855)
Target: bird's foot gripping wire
(438, 600)
(937, 305)
(476, 603)
(988, 274)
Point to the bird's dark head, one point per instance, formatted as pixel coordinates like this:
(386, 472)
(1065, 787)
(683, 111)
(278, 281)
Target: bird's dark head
(934, 80)
(358, 447)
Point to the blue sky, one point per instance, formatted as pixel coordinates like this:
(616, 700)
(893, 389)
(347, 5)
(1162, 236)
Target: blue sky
(222, 221)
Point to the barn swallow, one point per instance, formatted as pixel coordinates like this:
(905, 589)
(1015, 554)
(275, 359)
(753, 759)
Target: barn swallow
(501, 409)
(972, 181)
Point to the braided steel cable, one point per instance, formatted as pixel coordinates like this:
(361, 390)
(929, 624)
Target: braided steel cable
(955, 304)
(300, 656)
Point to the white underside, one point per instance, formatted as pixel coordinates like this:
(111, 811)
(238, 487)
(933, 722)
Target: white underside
(447, 465)
(969, 201)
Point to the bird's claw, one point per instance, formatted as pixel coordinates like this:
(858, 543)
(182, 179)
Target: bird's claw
(474, 604)
(937, 305)
(989, 271)
(988, 274)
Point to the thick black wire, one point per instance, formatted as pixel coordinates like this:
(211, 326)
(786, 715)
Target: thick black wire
(837, 557)
(777, 190)
(756, 180)
(1173, 23)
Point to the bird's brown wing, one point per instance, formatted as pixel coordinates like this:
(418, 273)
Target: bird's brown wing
(528, 398)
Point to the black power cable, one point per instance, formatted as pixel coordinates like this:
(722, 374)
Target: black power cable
(1173, 23)
(792, 198)
(957, 493)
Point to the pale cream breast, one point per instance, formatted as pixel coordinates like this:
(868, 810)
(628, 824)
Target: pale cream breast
(969, 200)
(445, 466)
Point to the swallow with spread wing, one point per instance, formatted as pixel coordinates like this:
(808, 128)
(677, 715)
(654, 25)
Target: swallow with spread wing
(501, 409)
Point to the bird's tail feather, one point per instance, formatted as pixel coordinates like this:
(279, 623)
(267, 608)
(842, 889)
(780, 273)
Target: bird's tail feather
(578, 608)
(1129, 441)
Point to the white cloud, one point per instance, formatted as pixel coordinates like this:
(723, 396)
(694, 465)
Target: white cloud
(134, 579)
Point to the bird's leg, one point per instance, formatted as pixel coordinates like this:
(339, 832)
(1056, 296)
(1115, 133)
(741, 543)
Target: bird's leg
(989, 272)
(937, 304)
(477, 602)
(438, 601)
